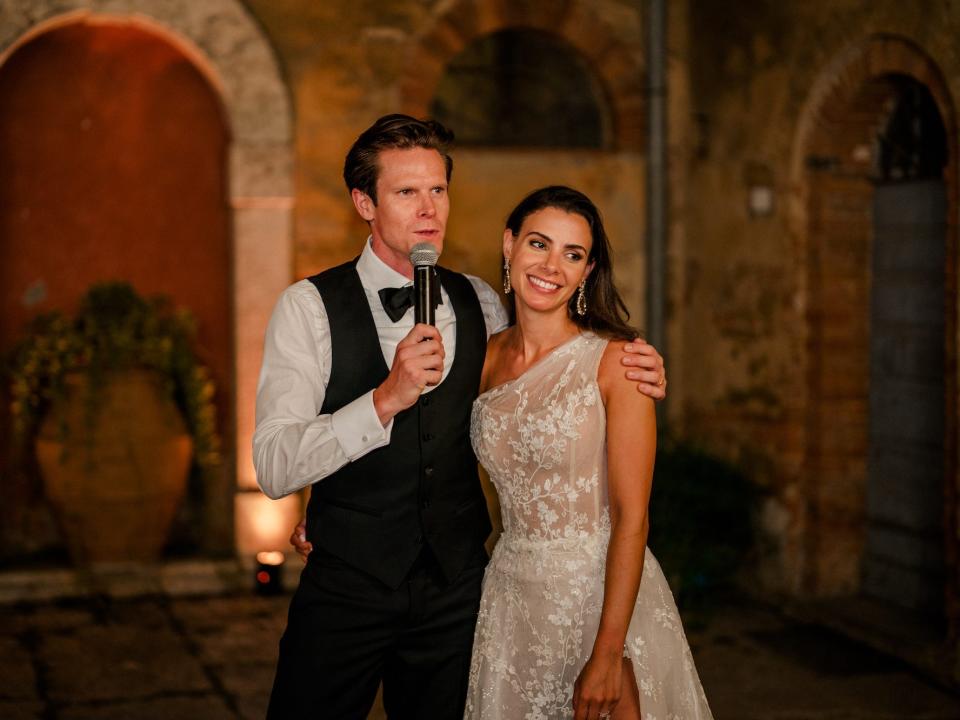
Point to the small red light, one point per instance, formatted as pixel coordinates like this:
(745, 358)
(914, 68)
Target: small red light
(263, 577)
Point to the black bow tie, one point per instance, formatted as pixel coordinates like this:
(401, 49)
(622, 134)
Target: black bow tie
(396, 301)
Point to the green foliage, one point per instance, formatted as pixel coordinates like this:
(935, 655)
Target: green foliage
(115, 329)
(701, 520)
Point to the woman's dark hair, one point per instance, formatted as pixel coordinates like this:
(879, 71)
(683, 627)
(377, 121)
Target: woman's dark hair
(400, 132)
(607, 314)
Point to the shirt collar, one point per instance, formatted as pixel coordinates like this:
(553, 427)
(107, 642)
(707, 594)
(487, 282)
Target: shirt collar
(375, 274)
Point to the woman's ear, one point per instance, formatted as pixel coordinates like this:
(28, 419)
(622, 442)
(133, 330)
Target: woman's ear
(589, 270)
(508, 243)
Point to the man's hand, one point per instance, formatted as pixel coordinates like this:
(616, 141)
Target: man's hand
(418, 363)
(299, 540)
(645, 365)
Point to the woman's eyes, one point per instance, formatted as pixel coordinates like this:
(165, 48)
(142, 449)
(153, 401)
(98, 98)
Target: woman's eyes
(572, 256)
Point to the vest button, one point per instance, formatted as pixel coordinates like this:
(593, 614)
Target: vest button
(425, 504)
(418, 539)
(428, 470)
(425, 400)
(427, 437)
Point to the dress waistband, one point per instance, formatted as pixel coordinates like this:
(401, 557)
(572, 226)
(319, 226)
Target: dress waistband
(587, 541)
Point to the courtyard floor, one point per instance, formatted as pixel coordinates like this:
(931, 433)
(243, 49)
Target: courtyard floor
(212, 657)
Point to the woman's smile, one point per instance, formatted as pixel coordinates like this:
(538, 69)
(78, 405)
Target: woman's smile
(543, 285)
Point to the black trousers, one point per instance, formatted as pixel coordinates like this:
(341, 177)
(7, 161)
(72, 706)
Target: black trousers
(347, 631)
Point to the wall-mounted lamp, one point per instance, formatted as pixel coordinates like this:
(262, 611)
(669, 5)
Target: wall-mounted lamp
(760, 200)
(758, 179)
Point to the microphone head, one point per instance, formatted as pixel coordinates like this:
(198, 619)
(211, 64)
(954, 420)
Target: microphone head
(423, 254)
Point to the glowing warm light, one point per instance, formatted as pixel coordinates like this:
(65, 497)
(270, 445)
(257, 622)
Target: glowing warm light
(264, 523)
(263, 577)
(270, 557)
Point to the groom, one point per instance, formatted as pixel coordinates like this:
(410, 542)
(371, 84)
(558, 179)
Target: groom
(373, 412)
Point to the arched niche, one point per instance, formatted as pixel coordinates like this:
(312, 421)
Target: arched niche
(616, 64)
(519, 87)
(229, 48)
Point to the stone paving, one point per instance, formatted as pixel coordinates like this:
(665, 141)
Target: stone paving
(212, 657)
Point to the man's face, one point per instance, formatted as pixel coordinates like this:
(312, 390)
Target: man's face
(412, 205)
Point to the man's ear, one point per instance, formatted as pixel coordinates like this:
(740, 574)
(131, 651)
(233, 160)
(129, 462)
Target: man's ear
(364, 204)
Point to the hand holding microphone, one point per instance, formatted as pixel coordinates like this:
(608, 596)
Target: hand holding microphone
(420, 355)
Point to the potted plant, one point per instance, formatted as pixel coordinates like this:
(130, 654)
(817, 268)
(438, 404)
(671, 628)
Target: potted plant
(117, 408)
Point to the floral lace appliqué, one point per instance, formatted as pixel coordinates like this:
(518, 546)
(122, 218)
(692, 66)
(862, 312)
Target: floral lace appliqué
(541, 438)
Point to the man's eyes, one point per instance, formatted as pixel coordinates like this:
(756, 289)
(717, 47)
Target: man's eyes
(410, 191)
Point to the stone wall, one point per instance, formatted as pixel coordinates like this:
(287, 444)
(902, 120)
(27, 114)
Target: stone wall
(348, 63)
(775, 304)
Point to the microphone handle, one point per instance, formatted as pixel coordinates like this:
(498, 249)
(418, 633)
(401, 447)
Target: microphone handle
(423, 300)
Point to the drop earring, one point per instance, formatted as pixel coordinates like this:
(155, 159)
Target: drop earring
(582, 299)
(506, 276)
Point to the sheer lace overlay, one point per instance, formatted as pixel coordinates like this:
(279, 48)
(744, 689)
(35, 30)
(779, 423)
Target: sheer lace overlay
(541, 438)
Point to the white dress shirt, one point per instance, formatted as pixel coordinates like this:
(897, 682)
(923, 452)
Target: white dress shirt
(293, 446)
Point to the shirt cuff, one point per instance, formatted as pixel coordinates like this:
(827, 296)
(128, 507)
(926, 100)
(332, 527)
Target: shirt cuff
(357, 427)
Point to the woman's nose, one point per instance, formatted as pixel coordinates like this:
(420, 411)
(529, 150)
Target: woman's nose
(552, 261)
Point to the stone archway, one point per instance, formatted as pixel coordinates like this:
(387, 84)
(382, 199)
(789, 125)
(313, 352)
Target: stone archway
(229, 48)
(831, 214)
(616, 63)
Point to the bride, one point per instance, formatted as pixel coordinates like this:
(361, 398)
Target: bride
(576, 618)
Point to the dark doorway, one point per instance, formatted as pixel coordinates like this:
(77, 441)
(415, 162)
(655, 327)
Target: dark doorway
(903, 561)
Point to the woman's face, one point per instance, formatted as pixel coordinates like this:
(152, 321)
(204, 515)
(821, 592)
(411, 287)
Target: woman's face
(548, 259)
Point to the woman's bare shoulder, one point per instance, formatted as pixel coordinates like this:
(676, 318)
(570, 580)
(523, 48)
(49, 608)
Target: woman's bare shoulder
(495, 344)
(612, 375)
(497, 339)
(611, 370)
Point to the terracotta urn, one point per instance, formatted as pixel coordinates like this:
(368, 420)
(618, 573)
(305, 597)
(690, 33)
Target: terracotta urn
(115, 476)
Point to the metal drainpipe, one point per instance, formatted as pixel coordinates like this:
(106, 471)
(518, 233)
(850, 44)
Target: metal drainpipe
(656, 176)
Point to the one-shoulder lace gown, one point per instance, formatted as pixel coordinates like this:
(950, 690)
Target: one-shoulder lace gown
(542, 439)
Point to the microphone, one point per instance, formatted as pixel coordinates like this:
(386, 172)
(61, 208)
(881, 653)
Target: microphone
(423, 256)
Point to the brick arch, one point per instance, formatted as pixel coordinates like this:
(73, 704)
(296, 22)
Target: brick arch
(615, 63)
(844, 77)
(830, 218)
(227, 45)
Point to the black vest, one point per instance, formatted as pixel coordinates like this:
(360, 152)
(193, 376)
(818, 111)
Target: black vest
(378, 511)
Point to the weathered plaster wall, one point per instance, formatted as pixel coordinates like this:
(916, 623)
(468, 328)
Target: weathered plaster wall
(744, 304)
(348, 63)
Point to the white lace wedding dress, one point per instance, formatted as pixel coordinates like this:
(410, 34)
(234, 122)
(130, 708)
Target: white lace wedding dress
(541, 438)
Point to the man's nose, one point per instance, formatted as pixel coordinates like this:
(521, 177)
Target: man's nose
(427, 208)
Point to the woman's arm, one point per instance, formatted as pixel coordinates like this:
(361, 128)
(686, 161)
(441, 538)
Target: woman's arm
(631, 449)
